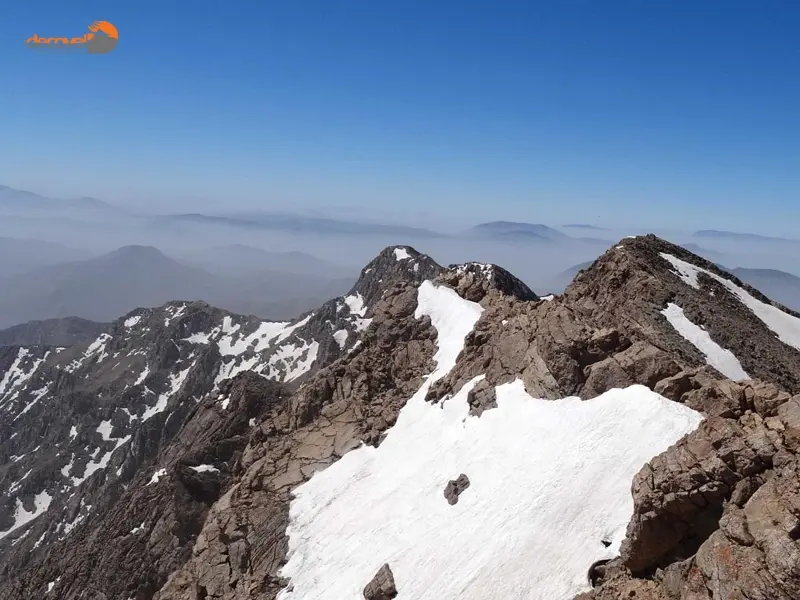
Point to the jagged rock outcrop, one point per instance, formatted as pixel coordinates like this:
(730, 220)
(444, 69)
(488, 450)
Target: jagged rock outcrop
(455, 487)
(382, 586)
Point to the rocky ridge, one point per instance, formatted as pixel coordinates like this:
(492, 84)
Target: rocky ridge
(202, 487)
(52, 332)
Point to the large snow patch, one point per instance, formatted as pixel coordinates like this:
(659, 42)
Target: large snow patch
(550, 481)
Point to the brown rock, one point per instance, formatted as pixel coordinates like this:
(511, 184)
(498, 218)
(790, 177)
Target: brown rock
(455, 487)
(382, 586)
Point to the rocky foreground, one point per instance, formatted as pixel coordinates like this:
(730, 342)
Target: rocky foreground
(171, 457)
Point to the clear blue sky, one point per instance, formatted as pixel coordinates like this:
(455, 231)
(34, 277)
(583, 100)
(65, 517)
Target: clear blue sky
(638, 112)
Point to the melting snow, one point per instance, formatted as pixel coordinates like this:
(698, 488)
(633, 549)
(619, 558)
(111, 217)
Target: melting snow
(17, 375)
(157, 475)
(35, 397)
(133, 321)
(544, 474)
(341, 337)
(785, 325)
(142, 376)
(452, 317)
(97, 346)
(356, 304)
(22, 517)
(66, 528)
(138, 529)
(547, 298)
(14, 372)
(293, 359)
(401, 254)
(721, 359)
(174, 313)
(16, 485)
(95, 464)
(104, 429)
(205, 469)
(175, 382)
(73, 431)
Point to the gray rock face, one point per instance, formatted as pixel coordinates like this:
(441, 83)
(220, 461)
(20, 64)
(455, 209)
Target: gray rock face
(455, 487)
(169, 446)
(382, 585)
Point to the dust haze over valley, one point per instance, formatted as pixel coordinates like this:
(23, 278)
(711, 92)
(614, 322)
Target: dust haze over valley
(91, 259)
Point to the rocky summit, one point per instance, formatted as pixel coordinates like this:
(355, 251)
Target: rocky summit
(437, 433)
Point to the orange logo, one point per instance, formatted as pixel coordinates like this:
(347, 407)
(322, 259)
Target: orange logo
(101, 38)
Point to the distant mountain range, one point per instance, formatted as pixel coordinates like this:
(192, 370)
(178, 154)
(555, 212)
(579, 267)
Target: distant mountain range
(584, 226)
(517, 232)
(11, 198)
(742, 237)
(101, 288)
(21, 204)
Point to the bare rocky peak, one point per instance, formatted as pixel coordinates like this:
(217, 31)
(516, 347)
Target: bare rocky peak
(159, 460)
(394, 264)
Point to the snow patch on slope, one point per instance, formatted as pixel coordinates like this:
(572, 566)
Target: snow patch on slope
(157, 475)
(17, 374)
(550, 480)
(176, 381)
(356, 304)
(721, 359)
(401, 254)
(205, 469)
(532, 464)
(452, 317)
(341, 337)
(22, 517)
(783, 324)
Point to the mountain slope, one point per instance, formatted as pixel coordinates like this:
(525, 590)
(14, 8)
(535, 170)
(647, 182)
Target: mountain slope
(445, 423)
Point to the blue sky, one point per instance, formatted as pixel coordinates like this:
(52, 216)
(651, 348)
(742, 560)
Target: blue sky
(671, 113)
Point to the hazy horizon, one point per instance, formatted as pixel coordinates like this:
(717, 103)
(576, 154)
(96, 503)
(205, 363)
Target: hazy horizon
(615, 114)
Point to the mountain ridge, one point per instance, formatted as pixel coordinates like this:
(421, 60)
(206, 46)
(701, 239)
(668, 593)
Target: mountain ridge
(196, 466)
